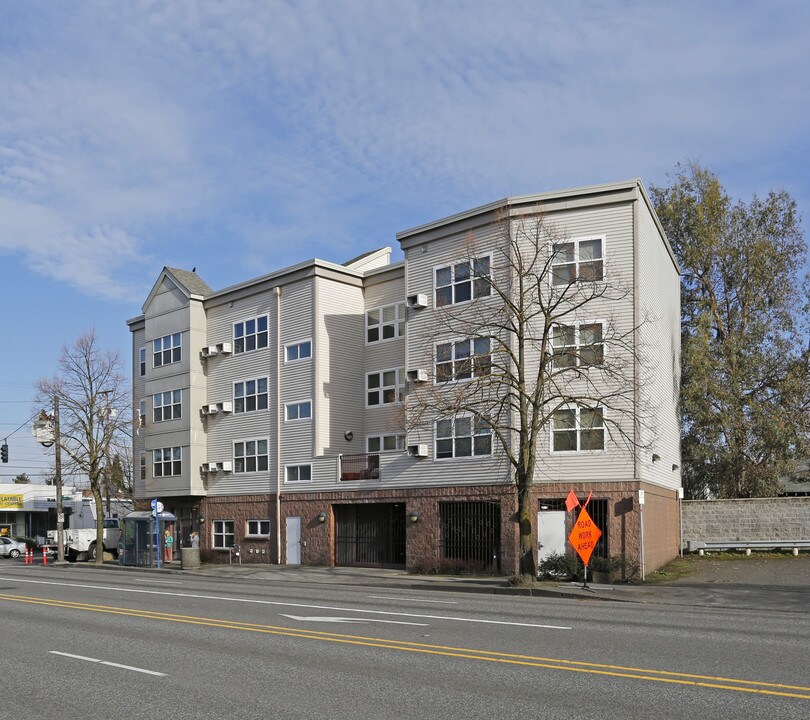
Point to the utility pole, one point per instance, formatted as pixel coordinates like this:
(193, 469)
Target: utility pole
(60, 515)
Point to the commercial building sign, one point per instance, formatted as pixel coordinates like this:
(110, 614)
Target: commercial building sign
(11, 502)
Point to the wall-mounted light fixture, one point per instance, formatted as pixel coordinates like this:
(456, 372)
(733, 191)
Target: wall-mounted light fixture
(413, 516)
(349, 435)
(656, 457)
(321, 517)
(201, 519)
(675, 467)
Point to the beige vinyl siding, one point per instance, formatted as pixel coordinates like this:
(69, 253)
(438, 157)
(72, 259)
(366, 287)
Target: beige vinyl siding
(138, 394)
(339, 379)
(659, 289)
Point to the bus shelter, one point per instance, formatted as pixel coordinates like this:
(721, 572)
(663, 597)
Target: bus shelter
(141, 540)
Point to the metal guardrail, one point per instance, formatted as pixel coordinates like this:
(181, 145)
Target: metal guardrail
(695, 545)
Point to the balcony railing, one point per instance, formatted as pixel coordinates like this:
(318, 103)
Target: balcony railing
(365, 466)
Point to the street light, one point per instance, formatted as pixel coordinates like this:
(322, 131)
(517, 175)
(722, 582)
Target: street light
(46, 431)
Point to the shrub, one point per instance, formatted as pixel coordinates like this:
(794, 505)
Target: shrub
(559, 566)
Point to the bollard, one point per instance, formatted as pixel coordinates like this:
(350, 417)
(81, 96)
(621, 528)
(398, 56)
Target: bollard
(44, 556)
(27, 556)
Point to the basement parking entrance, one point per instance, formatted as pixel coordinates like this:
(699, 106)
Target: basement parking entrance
(370, 535)
(470, 536)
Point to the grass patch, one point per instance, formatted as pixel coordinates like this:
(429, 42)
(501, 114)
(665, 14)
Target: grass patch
(676, 570)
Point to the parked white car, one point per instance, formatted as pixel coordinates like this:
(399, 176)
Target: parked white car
(11, 548)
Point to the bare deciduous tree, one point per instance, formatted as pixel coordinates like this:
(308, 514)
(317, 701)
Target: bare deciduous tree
(546, 340)
(94, 401)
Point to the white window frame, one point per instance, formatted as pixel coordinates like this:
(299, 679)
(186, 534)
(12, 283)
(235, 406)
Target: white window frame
(296, 471)
(381, 389)
(243, 398)
(261, 338)
(577, 429)
(143, 466)
(397, 324)
(297, 347)
(223, 529)
(456, 283)
(142, 361)
(575, 349)
(258, 527)
(576, 261)
(457, 361)
(260, 456)
(142, 414)
(168, 345)
(481, 431)
(171, 457)
(174, 406)
(397, 439)
(298, 406)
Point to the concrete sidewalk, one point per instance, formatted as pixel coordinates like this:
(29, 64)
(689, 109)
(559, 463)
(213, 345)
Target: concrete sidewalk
(787, 597)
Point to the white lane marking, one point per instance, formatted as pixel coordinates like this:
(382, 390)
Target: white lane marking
(157, 582)
(313, 618)
(421, 600)
(285, 604)
(107, 662)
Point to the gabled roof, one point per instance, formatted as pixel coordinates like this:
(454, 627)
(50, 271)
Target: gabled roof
(188, 282)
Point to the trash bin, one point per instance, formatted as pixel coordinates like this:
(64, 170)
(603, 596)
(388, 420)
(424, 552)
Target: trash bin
(189, 558)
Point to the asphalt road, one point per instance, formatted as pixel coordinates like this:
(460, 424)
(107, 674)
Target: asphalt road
(85, 644)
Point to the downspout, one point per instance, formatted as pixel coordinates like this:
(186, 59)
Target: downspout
(277, 291)
(636, 389)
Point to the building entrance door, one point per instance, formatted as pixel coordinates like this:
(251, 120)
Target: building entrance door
(550, 533)
(293, 540)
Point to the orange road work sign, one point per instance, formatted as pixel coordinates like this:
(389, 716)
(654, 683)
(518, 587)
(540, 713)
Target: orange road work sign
(584, 536)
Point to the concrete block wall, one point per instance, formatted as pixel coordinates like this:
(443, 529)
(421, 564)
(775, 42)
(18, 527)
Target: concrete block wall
(747, 519)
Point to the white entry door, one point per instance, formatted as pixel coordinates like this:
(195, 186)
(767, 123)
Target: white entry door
(550, 533)
(293, 541)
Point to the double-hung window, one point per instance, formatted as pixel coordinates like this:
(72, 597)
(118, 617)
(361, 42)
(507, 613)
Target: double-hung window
(250, 395)
(578, 345)
(250, 456)
(463, 281)
(167, 462)
(384, 443)
(383, 388)
(250, 335)
(385, 323)
(142, 360)
(298, 351)
(223, 534)
(298, 410)
(463, 359)
(576, 429)
(166, 350)
(580, 259)
(462, 436)
(166, 405)
(143, 466)
(142, 414)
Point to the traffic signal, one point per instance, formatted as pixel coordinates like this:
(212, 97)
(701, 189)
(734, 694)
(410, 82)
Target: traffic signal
(4, 452)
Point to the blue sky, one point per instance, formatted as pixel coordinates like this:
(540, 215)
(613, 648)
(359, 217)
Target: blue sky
(242, 136)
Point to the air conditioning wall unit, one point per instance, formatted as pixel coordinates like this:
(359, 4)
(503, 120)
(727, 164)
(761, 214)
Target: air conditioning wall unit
(225, 407)
(418, 375)
(225, 466)
(224, 348)
(420, 450)
(209, 409)
(209, 351)
(208, 467)
(419, 300)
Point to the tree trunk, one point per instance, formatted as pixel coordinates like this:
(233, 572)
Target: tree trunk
(528, 565)
(99, 522)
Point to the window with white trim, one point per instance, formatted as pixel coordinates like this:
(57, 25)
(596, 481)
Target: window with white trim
(462, 436)
(298, 411)
(576, 429)
(250, 335)
(463, 359)
(250, 395)
(578, 345)
(384, 387)
(166, 406)
(463, 281)
(143, 466)
(142, 414)
(579, 259)
(257, 528)
(166, 350)
(297, 473)
(385, 323)
(384, 443)
(222, 534)
(167, 462)
(251, 456)
(142, 360)
(298, 351)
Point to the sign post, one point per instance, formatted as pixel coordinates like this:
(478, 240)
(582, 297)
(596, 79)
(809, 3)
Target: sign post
(157, 508)
(583, 538)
